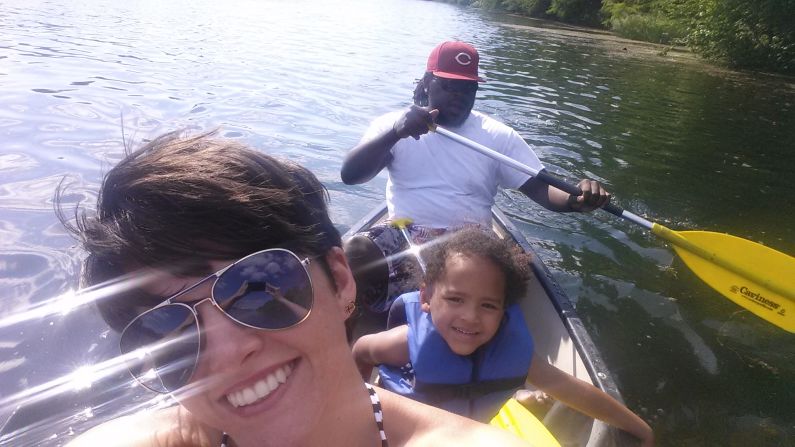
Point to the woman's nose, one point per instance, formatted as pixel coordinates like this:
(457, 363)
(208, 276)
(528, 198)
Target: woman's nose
(226, 342)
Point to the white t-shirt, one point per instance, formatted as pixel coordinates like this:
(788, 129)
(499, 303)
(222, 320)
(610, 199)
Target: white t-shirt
(440, 183)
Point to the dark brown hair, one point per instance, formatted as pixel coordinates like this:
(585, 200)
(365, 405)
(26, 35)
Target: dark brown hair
(178, 202)
(510, 259)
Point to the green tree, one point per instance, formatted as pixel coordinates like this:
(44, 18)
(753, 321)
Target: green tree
(533, 8)
(648, 20)
(757, 34)
(585, 12)
(751, 34)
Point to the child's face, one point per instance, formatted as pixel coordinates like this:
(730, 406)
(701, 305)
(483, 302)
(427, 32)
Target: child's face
(467, 302)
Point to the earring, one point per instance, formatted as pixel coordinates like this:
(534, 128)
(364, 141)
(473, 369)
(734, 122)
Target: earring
(350, 306)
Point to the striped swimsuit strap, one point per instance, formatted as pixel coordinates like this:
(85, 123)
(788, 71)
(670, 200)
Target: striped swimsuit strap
(377, 413)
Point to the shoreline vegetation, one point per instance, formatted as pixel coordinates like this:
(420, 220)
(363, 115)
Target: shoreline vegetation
(754, 35)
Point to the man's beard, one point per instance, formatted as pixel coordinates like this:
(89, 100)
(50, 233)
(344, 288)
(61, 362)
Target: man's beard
(454, 121)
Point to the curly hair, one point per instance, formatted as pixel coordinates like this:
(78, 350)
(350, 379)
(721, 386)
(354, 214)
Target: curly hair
(421, 90)
(474, 241)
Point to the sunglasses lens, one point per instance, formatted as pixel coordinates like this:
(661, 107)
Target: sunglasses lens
(458, 86)
(267, 290)
(165, 341)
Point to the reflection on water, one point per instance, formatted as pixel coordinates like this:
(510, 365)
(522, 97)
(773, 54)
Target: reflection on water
(690, 146)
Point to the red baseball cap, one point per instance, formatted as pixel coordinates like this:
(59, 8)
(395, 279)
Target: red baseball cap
(454, 60)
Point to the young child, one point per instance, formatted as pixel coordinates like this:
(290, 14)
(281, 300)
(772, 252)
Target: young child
(466, 347)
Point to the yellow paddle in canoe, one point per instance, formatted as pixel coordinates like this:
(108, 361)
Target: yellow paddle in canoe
(402, 224)
(753, 276)
(518, 420)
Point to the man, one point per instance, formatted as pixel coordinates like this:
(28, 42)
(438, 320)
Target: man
(436, 182)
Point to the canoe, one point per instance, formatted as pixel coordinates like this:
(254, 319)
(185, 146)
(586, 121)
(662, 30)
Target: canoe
(58, 409)
(559, 335)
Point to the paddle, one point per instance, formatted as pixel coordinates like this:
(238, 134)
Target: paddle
(401, 224)
(752, 275)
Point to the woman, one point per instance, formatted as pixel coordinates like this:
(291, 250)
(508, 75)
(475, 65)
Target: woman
(231, 291)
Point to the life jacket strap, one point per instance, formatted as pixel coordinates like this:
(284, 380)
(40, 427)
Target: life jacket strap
(438, 393)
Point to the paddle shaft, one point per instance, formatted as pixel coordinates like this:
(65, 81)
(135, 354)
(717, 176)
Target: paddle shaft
(542, 175)
(656, 229)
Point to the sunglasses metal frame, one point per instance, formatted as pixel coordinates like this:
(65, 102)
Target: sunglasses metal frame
(191, 306)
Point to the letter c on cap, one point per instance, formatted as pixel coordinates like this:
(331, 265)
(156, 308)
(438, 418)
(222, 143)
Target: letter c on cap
(463, 58)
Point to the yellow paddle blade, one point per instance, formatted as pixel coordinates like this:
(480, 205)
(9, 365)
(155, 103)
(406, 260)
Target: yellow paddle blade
(518, 420)
(755, 277)
(401, 222)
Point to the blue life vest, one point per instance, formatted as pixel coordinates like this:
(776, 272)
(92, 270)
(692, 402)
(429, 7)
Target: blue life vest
(476, 385)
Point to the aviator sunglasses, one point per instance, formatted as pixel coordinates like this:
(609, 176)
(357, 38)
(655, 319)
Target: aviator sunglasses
(457, 85)
(268, 290)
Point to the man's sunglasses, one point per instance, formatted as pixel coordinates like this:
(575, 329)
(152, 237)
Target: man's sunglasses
(269, 290)
(457, 85)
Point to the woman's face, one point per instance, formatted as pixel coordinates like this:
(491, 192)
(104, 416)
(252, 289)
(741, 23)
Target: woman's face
(259, 384)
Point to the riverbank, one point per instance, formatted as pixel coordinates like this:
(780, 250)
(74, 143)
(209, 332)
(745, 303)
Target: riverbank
(620, 47)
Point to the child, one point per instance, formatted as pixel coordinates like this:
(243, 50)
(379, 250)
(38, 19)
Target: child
(466, 347)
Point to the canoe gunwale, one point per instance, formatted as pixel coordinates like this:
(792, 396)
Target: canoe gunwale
(589, 353)
(592, 359)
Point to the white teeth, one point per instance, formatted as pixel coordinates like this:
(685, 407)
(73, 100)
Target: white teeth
(281, 376)
(249, 395)
(464, 332)
(261, 389)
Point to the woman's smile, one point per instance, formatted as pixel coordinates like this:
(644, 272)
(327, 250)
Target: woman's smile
(261, 389)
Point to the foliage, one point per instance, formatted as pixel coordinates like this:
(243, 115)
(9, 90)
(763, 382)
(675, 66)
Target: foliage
(488, 4)
(533, 8)
(648, 27)
(585, 12)
(757, 34)
(753, 34)
(648, 21)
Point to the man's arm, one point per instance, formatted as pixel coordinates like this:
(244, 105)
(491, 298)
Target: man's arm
(384, 348)
(367, 159)
(594, 196)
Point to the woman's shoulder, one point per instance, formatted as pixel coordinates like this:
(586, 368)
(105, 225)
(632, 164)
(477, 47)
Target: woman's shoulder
(415, 424)
(168, 427)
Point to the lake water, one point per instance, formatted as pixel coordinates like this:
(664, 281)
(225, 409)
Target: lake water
(687, 145)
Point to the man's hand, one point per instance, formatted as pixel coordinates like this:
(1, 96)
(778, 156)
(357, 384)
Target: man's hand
(593, 196)
(415, 122)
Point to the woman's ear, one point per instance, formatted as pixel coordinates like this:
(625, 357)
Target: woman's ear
(342, 280)
(425, 298)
